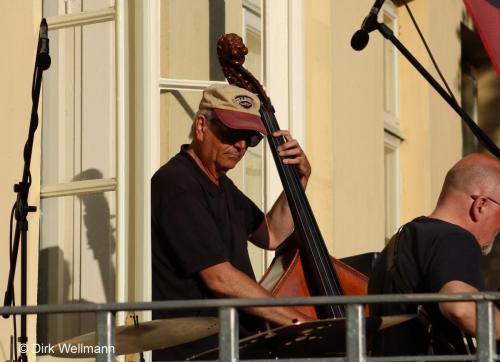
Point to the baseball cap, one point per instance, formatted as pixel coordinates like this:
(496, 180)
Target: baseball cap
(235, 107)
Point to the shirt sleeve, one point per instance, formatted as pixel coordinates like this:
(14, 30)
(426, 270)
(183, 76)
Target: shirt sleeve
(456, 257)
(189, 232)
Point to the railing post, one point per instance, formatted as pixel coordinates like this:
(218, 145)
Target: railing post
(228, 335)
(355, 334)
(486, 342)
(105, 337)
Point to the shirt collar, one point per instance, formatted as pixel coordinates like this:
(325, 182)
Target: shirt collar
(207, 184)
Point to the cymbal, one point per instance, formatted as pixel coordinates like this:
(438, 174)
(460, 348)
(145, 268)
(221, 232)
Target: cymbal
(156, 334)
(321, 338)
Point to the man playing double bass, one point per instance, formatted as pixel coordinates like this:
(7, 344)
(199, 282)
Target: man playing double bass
(201, 221)
(441, 254)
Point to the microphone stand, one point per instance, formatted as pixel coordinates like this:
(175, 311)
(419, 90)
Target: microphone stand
(476, 130)
(21, 207)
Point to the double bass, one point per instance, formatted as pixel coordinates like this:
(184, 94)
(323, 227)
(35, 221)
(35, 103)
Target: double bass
(303, 266)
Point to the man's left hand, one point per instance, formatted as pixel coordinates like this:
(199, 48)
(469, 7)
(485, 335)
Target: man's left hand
(292, 154)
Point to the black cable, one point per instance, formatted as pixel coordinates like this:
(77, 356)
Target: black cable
(11, 246)
(429, 51)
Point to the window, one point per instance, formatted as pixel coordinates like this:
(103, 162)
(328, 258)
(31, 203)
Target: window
(474, 62)
(80, 163)
(470, 105)
(392, 132)
(252, 180)
(391, 185)
(189, 63)
(391, 81)
(118, 101)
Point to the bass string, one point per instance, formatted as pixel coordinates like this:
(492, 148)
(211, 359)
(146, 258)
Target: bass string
(303, 219)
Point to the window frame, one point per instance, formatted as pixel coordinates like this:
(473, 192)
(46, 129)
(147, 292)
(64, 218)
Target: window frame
(392, 185)
(393, 135)
(280, 42)
(392, 120)
(120, 183)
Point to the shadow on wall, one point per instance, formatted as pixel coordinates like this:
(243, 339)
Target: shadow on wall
(480, 94)
(489, 103)
(100, 233)
(54, 281)
(55, 284)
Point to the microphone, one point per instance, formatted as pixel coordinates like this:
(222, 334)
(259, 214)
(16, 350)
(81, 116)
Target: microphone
(360, 38)
(43, 58)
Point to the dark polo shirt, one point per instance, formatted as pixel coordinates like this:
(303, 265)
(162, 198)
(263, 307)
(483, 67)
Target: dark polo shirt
(195, 225)
(430, 253)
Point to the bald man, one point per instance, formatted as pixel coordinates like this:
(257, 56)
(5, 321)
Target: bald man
(441, 254)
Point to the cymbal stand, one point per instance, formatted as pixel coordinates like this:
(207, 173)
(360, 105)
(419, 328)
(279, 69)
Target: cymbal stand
(136, 323)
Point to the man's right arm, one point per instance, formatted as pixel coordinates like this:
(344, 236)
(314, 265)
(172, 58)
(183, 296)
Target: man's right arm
(225, 281)
(463, 314)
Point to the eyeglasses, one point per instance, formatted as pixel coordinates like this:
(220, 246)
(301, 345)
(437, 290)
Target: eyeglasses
(475, 197)
(231, 135)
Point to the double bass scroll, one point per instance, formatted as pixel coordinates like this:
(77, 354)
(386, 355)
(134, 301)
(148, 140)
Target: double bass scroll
(308, 267)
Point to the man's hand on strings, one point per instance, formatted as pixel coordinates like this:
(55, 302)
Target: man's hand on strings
(292, 154)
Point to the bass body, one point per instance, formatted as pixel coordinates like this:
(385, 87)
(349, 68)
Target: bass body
(285, 277)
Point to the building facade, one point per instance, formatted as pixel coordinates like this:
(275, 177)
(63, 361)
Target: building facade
(118, 100)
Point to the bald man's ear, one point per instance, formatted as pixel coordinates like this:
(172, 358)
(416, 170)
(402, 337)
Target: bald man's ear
(477, 208)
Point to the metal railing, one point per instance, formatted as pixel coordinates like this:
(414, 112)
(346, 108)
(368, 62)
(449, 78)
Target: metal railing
(228, 322)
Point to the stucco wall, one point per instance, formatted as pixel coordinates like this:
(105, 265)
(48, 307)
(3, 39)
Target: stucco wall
(344, 127)
(345, 119)
(344, 113)
(432, 128)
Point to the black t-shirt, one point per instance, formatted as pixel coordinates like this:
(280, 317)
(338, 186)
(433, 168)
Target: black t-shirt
(195, 225)
(430, 253)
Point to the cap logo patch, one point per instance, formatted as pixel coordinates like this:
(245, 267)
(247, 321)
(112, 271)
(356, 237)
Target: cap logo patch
(244, 101)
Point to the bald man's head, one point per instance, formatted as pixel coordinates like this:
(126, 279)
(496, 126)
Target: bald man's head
(470, 198)
(475, 174)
